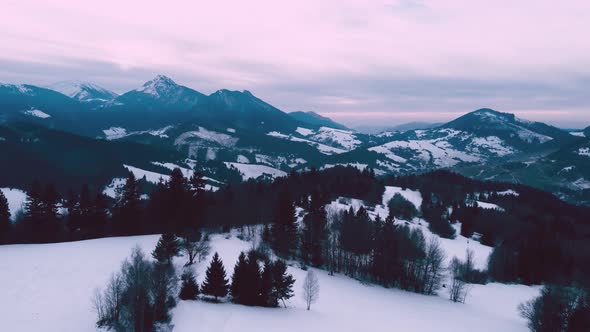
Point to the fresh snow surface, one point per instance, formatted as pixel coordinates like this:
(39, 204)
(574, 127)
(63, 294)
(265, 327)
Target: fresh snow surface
(231, 130)
(114, 133)
(185, 171)
(489, 206)
(111, 189)
(584, 152)
(243, 159)
(118, 132)
(16, 200)
(253, 171)
(359, 166)
(341, 138)
(491, 143)
(413, 196)
(48, 287)
(508, 192)
(577, 133)
(37, 113)
(304, 131)
(149, 176)
(323, 148)
(206, 135)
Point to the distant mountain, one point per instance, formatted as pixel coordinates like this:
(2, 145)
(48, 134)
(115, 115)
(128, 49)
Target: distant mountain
(33, 152)
(315, 120)
(587, 132)
(159, 94)
(401, 127)
(83, 91)
(16, 101)
(243, 110)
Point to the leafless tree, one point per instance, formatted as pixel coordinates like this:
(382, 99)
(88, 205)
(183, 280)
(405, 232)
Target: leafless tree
(195, 249)
(311, 288)
(458, 288)
(433, 266)
(108, 303)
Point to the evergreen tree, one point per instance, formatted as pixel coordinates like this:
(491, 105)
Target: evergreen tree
(267, 296)
(98, 215)
(127, 210)
(284, 230)
(239, 279)
(315, 232)
(282, 282)
(189, 288)
(5, 223)
(167, 248)
(251, 287)
(216, 283)
(73, 216)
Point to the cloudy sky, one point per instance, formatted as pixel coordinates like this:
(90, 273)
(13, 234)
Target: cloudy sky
(357, 61)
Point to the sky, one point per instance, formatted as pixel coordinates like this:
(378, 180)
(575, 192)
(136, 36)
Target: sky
(360, 62)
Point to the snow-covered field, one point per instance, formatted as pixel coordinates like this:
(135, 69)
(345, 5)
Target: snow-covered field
(253, 171)
(49, 288)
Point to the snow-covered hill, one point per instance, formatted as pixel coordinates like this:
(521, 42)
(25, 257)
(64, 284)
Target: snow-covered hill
(83, 91)
(49, 288)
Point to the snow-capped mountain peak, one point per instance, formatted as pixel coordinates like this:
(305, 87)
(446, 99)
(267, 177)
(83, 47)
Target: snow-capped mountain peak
(83, 91)
(159, 86)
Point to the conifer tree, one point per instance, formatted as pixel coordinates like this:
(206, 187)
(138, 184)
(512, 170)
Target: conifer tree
(127, 211)
(98, 215)
(73, 217)
(216, 283)
(239, 279)
(282, 282)
(251, 287)
(267, 296)
(189, 288)
(284, 230)
(167, 248)
(4, 216)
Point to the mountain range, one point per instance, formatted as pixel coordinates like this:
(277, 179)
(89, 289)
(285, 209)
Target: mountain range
(164, 122)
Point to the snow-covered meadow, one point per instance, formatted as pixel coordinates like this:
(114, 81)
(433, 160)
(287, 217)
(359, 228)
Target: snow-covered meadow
(49, 287)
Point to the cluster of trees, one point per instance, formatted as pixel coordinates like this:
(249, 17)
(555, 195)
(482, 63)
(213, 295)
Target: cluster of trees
(537, 238)
(139, 297)
(352, 243)
(558, 309)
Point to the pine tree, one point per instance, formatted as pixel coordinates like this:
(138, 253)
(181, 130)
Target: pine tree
(284, 230)
(315, 233)
(267, 296)
(251, 291)
(73, 216)
(282, 282)
(239, 279)
(167, 248)
(189, 288)
(98, 215)
(127, 211)
(216, 283)
(5, 224)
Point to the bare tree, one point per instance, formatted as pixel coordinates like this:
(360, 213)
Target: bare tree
(108, 303)
(311, 288)
(433, 266)
(195, 247)
(458, 288)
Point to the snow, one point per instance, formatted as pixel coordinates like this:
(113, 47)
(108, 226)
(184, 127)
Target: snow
(492, 143)
(253, 171)
(413, 196)
(159, 86)
(242, 159)
(323, 148)
(508, 192)
(359, 166)
(149, 176)
(341, 138)
(111, 189)
(114, 133)
(118, 132)
(581, 183)
(16, 200)
(37, 113)
(48, 287)
(578, 133)
(584, 152)
(186, 172)
(207, 135)
(80, 90)
(489, 206)
(231, 130)
(304, 131)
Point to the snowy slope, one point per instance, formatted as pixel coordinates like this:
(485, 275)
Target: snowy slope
(253, 171)
(49, 287)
